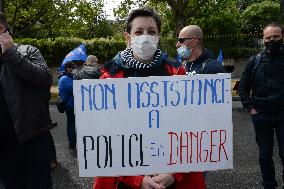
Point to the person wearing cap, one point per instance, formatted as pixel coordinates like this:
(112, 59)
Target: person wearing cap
(25, 122)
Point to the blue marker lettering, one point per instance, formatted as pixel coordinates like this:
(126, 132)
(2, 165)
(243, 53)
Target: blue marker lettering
(153, 84)
(185, 91)
(129, 95)
(102, 97)
(147, 93)
(199, 91)
(157, 118)
(210, 84)
(192, 91)
(165, 92)
(138, 94)
(83, 88)
(110, 90)
(177, 93)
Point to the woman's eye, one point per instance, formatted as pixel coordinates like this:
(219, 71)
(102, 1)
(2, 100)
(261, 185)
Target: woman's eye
(138, 33)
(152, 32)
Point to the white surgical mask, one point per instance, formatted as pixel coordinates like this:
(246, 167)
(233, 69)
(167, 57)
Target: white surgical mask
(144, 46)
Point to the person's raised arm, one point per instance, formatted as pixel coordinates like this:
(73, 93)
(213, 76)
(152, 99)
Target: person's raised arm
(27, 62)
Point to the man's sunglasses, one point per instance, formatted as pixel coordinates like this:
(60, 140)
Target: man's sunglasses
(181, 40)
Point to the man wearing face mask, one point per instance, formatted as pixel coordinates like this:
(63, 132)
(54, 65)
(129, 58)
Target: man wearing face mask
(143, 58)
(193, 55)
(262, 94)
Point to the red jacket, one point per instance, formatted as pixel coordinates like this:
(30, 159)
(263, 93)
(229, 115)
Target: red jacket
(192, 180)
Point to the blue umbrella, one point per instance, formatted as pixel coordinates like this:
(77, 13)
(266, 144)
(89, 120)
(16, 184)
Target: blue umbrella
(78, 54)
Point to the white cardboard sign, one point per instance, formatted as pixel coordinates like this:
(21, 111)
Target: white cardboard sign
(149, 125)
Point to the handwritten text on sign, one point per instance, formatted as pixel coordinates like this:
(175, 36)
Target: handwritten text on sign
(154, 125)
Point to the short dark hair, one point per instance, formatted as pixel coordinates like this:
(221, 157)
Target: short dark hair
(143, 11)
(69, 64)
(274, 24)
(3, 19)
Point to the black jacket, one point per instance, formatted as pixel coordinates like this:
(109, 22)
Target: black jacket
(87, 72)
(26, 81)
(204, 64)
(262, 86)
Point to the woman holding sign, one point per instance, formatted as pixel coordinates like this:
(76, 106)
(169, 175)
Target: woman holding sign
(142, 58)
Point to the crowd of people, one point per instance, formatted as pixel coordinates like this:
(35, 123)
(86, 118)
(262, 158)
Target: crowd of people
(28, 151)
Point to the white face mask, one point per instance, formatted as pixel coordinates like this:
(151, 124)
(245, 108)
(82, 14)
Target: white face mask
(144, 46)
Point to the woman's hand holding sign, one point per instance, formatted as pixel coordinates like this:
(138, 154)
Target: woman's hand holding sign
(164, 179)
(149, 183)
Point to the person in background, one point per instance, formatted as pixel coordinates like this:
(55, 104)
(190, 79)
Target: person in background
(143, 58)
(90, 70)
(194, 56)
(262, 94)
(25, 122)
(65, 87)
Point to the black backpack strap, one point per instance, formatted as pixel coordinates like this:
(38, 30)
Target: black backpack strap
(257, 61)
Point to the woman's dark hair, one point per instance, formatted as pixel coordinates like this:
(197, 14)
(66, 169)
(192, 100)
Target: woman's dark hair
(143, 11)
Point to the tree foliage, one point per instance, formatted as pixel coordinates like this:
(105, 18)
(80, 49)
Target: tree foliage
(86, 18)
(213, 16)
(54, 18)
(257, 15)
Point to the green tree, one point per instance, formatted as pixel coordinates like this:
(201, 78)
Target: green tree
(257, 15)
(217, 17)
(214, 16)
(89, 20)
(54, 18)
(2, 3)
(281, 17)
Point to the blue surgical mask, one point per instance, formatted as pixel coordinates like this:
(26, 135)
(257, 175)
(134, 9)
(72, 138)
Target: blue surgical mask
(184, 52)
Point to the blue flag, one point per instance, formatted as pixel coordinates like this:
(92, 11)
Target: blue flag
(220, 57)
(78, 54)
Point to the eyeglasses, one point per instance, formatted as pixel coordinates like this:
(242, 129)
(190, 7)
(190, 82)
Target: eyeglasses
(182, 40)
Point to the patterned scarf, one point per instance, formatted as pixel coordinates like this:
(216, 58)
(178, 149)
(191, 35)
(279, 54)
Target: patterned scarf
(128, 59)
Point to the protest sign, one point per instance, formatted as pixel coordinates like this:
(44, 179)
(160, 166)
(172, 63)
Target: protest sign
(148, 125)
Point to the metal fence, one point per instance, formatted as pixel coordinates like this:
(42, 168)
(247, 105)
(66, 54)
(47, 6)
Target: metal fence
(234, 45)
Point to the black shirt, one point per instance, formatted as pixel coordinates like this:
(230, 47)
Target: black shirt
(7, 133)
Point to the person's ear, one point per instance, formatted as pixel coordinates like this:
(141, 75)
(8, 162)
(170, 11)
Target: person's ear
(194, 43)
(127, 38)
